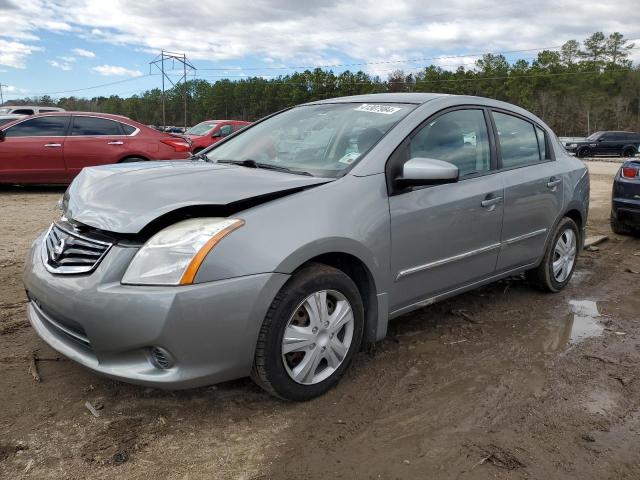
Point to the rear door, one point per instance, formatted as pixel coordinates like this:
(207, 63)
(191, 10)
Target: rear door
(533, 189)
(93, 140)
(32, 151)
(446, 236)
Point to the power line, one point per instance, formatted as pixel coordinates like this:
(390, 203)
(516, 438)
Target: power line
(93, 87)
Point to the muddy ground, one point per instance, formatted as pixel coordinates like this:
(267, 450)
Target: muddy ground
(504, 382)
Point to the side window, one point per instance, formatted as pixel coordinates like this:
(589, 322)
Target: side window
(542, 143)
(40, 127)
(225, 130)
(459, 137)
(518, 140)
(127, 129)
(23, 111)
(93, 126)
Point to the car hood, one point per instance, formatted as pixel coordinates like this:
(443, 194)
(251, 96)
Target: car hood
(124, 198)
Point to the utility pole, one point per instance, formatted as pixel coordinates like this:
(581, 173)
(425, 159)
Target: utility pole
(159, 62)
(1, 96)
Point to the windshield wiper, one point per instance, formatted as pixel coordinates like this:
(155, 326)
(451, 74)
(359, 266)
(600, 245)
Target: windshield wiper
(199, 156)
(249, 163)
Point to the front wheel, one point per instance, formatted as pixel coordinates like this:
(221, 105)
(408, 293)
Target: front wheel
(310, 334)
(558, 264)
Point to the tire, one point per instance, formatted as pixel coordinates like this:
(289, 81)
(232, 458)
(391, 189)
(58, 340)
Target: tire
(629, 152)
(544, 276)
(619, 227)
(133, 160)
(294, 375)
(583, 152)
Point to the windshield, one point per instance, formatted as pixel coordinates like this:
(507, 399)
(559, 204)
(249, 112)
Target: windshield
(201, 128)
(594, 136)
(319, 139)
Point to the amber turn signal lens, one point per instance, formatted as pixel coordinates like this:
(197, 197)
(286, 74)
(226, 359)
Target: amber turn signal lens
(192, 270)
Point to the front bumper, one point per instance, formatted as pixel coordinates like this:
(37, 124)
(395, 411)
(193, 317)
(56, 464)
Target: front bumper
(209, 329)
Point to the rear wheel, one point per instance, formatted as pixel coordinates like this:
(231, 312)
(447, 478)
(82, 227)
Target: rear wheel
(619, 227)
(558, 264)
(583, 152)
(309, 335)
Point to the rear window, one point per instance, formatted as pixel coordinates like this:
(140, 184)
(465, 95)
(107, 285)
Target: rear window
(128, 129)
(518, 140)
(94, 126)
(201, 128)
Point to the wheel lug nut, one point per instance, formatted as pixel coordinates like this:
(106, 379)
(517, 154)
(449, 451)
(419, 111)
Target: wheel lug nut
(323, 349)
(312, 346)
(331, 336)
(315, 330)
(326, 324)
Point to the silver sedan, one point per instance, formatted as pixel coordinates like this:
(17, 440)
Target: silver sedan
(283, 249)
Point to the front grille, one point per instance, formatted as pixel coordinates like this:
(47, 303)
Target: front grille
(65, 251)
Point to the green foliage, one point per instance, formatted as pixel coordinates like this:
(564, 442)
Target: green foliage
(576, 90)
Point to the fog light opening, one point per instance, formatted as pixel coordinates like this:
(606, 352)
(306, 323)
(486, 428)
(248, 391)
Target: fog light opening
(160, 358)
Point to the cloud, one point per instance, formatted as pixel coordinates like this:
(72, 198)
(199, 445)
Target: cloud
(68, 59)
(300, 33)
(84, 53)
(61, 65)
(14, 89)
(14, 54)
(297, 32)
(115, 71)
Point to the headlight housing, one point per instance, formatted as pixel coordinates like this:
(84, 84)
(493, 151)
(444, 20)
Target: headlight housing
(174, 255)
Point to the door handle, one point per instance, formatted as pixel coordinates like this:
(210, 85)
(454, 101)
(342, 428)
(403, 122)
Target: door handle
(115, 142)
(490, 202)
(554, 182)
(52, 145)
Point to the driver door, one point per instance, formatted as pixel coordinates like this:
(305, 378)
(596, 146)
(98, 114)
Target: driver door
(446, 236)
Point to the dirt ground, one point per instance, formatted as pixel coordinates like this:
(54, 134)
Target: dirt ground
(504, 382)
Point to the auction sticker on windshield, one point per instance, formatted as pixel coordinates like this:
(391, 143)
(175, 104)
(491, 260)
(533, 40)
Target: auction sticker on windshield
(385, 109)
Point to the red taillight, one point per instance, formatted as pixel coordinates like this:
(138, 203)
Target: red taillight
(629, 172)
(178, 144)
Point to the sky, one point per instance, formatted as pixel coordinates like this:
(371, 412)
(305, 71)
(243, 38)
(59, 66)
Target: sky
(101, 47)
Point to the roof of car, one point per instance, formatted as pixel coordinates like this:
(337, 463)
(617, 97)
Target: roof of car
(94, 114)
(402, 97)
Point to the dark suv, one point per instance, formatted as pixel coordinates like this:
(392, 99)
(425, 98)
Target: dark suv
(607, 143)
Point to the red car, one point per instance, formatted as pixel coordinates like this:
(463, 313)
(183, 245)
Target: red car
(54, 147)
(211, 131)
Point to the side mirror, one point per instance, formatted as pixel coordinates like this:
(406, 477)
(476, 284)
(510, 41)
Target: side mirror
(216, 134)
(600, 139)
(427, 171)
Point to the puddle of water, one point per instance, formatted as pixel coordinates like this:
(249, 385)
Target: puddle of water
(585, 323)
(581, 323)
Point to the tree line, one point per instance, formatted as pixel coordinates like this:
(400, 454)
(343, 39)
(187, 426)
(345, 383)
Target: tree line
(578, 89)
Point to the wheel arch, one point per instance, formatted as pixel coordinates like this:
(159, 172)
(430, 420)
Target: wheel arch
(355, 267)
(130, 155)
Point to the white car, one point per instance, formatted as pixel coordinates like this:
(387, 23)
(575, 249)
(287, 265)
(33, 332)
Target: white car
(27, 110)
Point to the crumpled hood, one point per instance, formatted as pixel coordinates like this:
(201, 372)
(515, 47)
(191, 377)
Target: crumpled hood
(124, 198)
